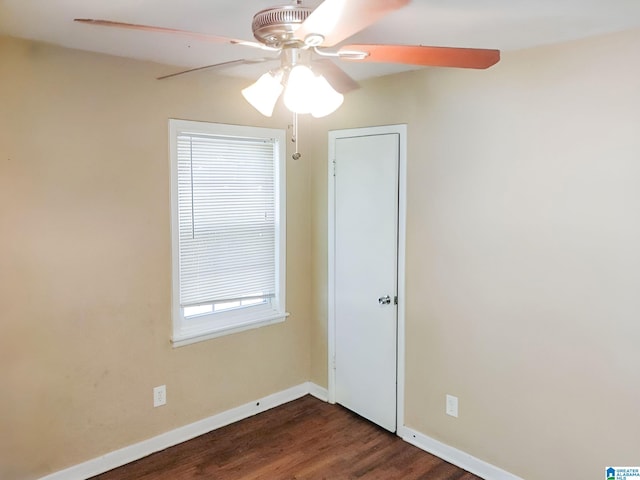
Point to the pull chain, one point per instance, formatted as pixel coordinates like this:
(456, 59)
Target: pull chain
(294, 137)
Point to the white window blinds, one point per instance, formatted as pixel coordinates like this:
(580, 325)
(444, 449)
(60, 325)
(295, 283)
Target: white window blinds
(226, 218)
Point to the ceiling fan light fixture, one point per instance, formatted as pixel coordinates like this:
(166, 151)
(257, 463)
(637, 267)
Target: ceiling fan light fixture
(264, 93)
(326, 99)
(299, 95)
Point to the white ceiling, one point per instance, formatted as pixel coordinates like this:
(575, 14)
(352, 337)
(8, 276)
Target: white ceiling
(502, 24)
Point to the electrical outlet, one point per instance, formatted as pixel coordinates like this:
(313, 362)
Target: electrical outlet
(452, 406)
(159, 395)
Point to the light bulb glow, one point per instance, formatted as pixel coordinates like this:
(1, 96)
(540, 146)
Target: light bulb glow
(304, 93)
(264, 93)
(299, 94)
(326, 99)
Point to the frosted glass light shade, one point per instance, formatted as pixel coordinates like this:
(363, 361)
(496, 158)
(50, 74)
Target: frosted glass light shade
(264, 94)
(326, 99)
(300, 91)
(305, 93)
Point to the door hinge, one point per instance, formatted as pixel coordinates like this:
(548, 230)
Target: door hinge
(334, 167)
(395, 300)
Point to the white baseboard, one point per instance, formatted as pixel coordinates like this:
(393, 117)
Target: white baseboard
(134, 452)
(165, 440)
(454, 456)
(319, 392)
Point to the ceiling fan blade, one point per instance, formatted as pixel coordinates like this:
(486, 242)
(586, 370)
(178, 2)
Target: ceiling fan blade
(337, 77)
(195, 35)
(336, 20)
(425, 56)
(241, 61)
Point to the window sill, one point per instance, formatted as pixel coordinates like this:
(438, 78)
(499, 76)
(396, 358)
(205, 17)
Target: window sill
(200, 335)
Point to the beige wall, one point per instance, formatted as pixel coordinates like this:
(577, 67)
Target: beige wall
(85, 262)
(523, 265)
(523, 258)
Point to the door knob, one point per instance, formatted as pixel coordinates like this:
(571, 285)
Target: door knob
(384, 300)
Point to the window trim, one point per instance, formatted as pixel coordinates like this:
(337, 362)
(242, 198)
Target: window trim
(207, 326)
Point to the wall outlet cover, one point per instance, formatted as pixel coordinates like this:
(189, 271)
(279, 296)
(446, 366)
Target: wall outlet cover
(451, 407)
(159, 395)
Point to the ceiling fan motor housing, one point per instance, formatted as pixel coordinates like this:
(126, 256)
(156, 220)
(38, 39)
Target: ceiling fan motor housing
(275, 26)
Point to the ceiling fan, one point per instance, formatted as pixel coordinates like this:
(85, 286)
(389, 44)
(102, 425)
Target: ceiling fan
(304, 37)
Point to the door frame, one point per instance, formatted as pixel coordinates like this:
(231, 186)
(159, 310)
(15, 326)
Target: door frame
(401, 130)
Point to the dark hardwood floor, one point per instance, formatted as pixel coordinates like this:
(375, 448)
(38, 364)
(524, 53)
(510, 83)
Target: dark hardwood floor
(306, 439)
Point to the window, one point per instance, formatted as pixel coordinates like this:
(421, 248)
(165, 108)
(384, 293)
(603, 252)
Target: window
(228, 228)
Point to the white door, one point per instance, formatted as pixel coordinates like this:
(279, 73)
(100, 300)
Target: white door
(365, 274)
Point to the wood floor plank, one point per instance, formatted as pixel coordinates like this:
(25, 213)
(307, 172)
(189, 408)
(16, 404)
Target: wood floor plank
(306, 439)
